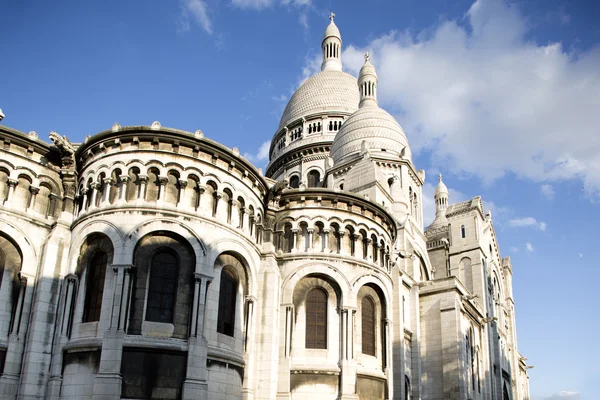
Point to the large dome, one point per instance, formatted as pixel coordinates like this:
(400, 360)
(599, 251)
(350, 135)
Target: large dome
(377, 128)
(328, 91)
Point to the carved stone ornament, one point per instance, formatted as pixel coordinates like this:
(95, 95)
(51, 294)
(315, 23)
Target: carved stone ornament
(66, 149)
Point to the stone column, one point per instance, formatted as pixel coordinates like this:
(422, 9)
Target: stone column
(387, 354)
(69, 296)
(249, 353)
(246, 220)
(341, 250)
(217, 197)
(201, 190)
(235, 214)
(294, 240)
(181, 197)
(348, 375)
(84, 193)
(358, 252)
(55, 380)
(268, 312)
(283, 384)
(326, 240)
(195, 385)
(94, 188)
(34, 191)
(12, 184)
(163, 180)
(14, 353)
(108, 182)
(122, 194)
(368, 250)
(107, 383)
(142, 190)
(310, 239)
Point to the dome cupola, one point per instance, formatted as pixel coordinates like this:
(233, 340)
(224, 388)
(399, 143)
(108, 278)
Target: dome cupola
(370, 128)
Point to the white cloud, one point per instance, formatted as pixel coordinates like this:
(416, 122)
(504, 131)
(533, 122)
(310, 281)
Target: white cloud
(580, 255)
(198, 10)
(281, 98)
(529, 246)
(548, 191)
(488, 100)
(514, 249)
(526, 222)
(262, 154)
(564, 395)
(256, 4)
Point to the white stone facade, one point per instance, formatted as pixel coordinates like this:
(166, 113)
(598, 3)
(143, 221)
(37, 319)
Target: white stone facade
(149, 262)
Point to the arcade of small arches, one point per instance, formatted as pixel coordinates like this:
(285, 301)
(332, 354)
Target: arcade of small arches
(186, 190)
(24, 190)
(350, 239)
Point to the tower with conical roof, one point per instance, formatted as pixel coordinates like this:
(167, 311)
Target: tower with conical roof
(332, 47)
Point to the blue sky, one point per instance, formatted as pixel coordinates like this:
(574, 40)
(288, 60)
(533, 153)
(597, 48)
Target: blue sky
(503, 98)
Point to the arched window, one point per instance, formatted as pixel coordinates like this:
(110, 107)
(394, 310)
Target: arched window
(368, 325)
(406, 388)
(162, 287)
(295, 181)
(316, 319)
(96, 272)
(313, 178)
(227, 301)
(463, 231)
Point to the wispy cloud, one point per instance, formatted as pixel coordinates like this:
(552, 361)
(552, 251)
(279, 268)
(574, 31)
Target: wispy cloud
(529, 247)
(527, 222)
(459, 111)
(548, 191)
(261, 155)
(514, 249)
(564, 395)
(255, 4)
(196, 10)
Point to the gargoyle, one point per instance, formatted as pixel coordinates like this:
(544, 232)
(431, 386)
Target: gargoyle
(66, 149)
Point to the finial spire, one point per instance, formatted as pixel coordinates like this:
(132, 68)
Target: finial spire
(439, 177)
(332, 47)
(367, 83)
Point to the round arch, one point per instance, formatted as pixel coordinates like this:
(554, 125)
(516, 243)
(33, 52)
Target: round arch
(162, 225)
(289, 283)
(24, 245)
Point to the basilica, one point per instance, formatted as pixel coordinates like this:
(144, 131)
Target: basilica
(153, 263)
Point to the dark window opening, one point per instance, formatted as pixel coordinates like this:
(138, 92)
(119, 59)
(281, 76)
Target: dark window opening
(313, 178)
(96, 274)
(227, 301)
(295, 181)
(316, 319)
(162, 287)
(368, 326)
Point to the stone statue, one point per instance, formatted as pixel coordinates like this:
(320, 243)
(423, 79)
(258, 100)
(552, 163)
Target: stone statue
(66, 149)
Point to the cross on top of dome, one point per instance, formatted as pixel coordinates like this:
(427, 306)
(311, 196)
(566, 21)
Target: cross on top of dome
(331, 16)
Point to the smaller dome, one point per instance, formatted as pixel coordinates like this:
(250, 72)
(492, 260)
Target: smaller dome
(441, 188)
(377, 128)
(370, 128)
(367, 68)
(332, 29)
